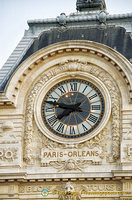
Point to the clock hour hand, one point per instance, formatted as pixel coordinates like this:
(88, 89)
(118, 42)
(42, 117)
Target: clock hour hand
(72, 107)
(76, 106)
(78, 109)
(65, 113)
(69, 106)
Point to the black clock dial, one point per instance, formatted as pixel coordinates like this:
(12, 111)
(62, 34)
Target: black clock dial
(73, 108)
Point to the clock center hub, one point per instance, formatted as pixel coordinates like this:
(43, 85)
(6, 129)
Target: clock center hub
(78, 108)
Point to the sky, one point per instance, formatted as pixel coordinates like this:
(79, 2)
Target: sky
(15, 13)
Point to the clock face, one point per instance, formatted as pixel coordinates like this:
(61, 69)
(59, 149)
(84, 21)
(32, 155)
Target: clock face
(73, 108)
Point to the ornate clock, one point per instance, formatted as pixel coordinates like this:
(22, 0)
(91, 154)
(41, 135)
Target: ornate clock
(73, 108)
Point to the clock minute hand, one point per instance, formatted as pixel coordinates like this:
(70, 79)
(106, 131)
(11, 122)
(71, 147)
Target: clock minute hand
(64, 106)
(54, 103)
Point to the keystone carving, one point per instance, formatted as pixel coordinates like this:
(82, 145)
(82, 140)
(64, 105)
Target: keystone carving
(69, 193)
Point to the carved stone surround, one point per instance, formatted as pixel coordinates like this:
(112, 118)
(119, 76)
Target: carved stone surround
(63, 76)
(75, 66)
(51, 62)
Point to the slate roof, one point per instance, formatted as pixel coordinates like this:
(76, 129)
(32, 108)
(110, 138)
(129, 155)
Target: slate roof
(98, 26)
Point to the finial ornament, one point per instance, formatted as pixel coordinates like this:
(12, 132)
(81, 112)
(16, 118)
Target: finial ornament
(89, 5)
(62, 19)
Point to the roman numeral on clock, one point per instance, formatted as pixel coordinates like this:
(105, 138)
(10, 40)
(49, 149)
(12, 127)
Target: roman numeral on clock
(92, 118)
(49, 109)
(51, 97)
(84, 127)
(84, 89)
(93, 96)
(73, 86)
(96, 107)
(72, 130)
(62, 90)
(52, 120)
(60, 128)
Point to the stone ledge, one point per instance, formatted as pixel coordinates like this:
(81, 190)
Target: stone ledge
(24, 177)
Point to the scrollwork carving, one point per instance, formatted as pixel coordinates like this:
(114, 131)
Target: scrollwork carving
(70, 164)
(49, 144)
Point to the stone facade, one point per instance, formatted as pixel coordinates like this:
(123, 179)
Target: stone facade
(26, 170)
